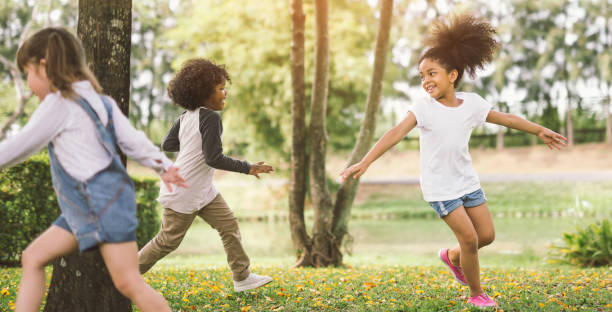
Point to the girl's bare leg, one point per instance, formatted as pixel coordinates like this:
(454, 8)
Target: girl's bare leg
(52, 243)
(460, 223)
(122, 262)
(483, 223)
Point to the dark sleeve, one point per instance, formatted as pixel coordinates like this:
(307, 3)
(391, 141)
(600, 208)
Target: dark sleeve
(171, 141)
(211, 130)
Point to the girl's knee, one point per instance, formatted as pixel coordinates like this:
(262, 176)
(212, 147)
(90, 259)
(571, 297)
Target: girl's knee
(469, 242)
(486, 239)
(128, 284)
(31, 259)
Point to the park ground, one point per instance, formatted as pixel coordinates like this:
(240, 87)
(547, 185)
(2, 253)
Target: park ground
(391, 264)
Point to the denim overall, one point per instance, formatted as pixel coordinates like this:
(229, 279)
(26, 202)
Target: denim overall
(102, 209)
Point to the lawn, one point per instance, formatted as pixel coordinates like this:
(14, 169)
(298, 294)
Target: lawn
(393, 266)
(369, 288)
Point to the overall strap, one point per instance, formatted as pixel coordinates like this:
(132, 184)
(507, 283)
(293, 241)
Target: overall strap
(106, 135)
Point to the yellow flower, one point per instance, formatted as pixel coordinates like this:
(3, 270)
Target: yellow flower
(4, 292)
(245, 309)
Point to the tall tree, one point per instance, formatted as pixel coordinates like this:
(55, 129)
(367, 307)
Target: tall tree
(322, 237)
(298, 179)
(330, 220)
(346, 192)
(80, 281)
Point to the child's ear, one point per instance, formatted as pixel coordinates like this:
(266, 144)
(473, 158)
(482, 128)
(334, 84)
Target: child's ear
(452, 76)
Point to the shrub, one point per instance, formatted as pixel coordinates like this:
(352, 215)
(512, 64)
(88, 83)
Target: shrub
(28, 206)
(588, 247)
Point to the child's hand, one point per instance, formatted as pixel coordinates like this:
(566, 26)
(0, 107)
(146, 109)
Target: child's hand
(358, 169)
(552, 139)
(171, 176)
(260, 168)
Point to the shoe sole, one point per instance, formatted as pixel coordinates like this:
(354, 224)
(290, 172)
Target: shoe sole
(440, 257)
(253, 286)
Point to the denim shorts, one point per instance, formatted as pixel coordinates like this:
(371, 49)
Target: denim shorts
(445, 207)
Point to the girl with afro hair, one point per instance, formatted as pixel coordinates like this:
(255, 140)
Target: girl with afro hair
(445, 121)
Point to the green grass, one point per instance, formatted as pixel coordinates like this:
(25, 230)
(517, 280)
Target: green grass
(516, 199)
(369, 288)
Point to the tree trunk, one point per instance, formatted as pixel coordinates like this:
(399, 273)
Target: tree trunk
(323, 240)
(608, 121)
(569, 126)
(346, 192)
(499, 142)
(297, 183)
(80, 281)
(500, 139)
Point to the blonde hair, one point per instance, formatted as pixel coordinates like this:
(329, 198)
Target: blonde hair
(64, 59)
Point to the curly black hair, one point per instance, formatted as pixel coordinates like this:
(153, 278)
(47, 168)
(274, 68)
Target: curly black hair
(466, 44)
(195, 82)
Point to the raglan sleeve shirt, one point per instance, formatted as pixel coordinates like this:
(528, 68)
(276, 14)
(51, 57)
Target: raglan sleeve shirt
(211, 130)
(171, 142)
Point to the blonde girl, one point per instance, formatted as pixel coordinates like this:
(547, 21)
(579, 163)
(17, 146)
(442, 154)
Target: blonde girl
(81, 128)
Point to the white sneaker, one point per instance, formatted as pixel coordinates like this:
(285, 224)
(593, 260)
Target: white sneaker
(252, 281)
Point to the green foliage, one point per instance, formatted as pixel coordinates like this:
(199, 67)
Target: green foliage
(28, 206)
(147, 212)
(253, 40)
(587, 247)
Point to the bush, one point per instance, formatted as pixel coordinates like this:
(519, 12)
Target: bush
(28, 206)
(148, 212)
(588, 247)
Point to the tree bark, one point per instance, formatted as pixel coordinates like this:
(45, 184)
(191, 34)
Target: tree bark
(80, 281)
(346, 192)
(297, 183)
(323, 240)
(499, 142)
(569, 125)
(608, 120)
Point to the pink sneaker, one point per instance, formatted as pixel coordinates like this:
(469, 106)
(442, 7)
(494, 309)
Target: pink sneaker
(457, 272)
(482, 300)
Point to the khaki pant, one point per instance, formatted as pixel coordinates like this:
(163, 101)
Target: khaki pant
(175, 225)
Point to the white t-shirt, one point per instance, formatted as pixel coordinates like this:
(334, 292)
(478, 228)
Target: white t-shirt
(446, 165)
(65, 123)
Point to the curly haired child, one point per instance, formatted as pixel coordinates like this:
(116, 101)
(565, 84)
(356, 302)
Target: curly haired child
(445, 121)
(199, 87)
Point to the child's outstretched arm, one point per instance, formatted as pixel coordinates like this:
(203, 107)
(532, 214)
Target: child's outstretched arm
(389, 139)
(549, 137)
(260, 167)
(211, 129)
